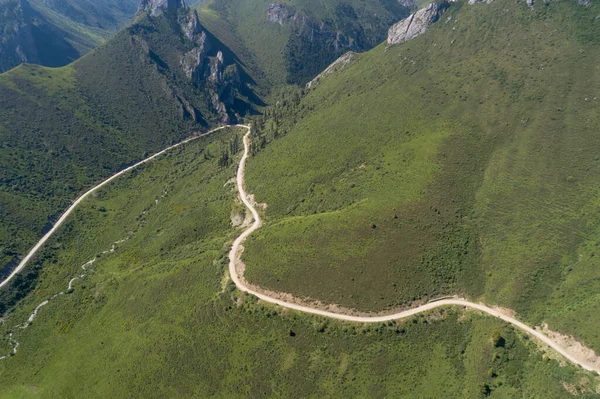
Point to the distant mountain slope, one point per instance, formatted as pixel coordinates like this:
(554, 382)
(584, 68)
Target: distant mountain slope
(61, 130)
(291, 42)
(465, 160)
(108, 15)
(57, 32)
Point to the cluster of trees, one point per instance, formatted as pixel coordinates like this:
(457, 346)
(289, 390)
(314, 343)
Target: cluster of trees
(228, 150)
(277, 119)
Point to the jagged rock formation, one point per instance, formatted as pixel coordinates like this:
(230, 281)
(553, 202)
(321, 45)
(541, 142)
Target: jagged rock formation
(314, 43)
(410, 4)
(155, 7)
(279, 13)
(416, 23)
(201, 60)
(337, 65)
(310, 29)
(205, 65)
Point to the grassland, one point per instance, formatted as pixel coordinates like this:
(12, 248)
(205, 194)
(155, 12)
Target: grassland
(156, 318)
(463, 161)
(63, 129)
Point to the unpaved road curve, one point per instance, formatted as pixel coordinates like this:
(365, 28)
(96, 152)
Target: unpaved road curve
(65, 215)
(235, 260)
(237, 249)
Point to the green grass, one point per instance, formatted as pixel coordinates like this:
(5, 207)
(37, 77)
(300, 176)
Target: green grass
(66, 129)
(154, 319)
(473, 151)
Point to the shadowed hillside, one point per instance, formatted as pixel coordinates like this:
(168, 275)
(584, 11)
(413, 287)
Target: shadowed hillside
(57, 32)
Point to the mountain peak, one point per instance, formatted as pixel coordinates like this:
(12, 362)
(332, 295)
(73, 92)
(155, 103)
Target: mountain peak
(155, 7)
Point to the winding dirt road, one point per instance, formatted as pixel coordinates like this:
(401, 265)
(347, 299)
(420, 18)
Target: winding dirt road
(235, 260)
(237, 250)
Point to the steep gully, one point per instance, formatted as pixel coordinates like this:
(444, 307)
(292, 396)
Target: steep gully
(235, 265)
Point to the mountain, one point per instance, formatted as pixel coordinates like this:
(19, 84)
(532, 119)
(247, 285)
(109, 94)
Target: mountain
(156, 82)
(291, 42)
(56, 32)
(108, 15)
(150, 314)
(459, 156)
(463, 160)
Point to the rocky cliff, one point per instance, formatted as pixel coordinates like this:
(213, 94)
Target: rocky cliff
(205, 66)
(337, 65)
(416, 23)
(155, 7)
(314, 42)
(311, 29)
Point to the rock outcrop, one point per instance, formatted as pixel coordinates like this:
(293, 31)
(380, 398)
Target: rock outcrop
(190, 24)
(279, 13)
(337, 65)
(416, 23)
(206, 67)
(155, 7)
(193, 61)
(211, 75)
(282, 14)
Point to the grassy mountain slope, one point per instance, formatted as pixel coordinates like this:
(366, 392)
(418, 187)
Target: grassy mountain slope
(57, 32)
(291, 42)
(155, 319)
(107, 15)
(463, 161)
(64, 129)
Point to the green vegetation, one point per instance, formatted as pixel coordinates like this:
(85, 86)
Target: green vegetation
(63, 130)
(463, 161)
(307, 37)
(155, 318)
(55, 33)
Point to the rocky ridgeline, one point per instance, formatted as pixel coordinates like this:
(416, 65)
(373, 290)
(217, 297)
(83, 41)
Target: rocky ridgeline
(336, 66)
(416, 23)
(204, 65)
(155, 7)
(310, 29)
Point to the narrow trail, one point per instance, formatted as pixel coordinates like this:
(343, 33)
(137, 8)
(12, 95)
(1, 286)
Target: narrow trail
(235, 264)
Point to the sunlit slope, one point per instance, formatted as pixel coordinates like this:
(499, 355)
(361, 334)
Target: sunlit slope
(155, 318)
(462, 162)
(63, 130)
